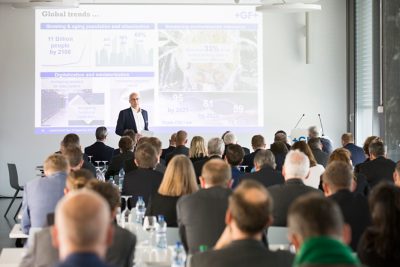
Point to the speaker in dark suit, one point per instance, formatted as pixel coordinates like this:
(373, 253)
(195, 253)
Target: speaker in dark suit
(134, 117)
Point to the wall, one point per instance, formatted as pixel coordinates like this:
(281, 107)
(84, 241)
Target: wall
(291, 87)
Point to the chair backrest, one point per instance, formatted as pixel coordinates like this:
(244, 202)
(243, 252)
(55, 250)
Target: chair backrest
(12, 172)
(277, 235)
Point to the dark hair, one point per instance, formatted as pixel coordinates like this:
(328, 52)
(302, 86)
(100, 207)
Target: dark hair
(70, 140)
(74, 155)
(367, 142)
(130, 133)
(264, 158)
(280, 136)
(376, 148)
(125, 144)
(181, 137)
(101, 133)
(340, 154)
(314, 143)
(79, 178)
(384, 234)
(156, 143)
(279, 147)
(257, 141)
(303, 147)
(234, 154)
(338, 175)
(109, 192)
(146, 156)
(251, 216)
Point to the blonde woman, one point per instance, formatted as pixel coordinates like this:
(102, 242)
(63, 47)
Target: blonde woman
(179, 179)
(197, 150)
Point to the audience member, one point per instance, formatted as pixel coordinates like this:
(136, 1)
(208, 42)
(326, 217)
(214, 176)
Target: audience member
(201, 215)
(396, 175)
(357, 153)
(156, 143)
(132, 135)
(264, 163)
(180, 149)
(257, 143)
(316, 148)
(337, 183)
(82, 229)
(42, 194)
(317, 231)
(327, 146)
(248, 215)
(117, 163)
(230, 138)
(170, 148)
(295, 170)
(143, 181)
(280, 150)
(380, 245)
(74, 156)
(197, 150)
(378, 168)
(234, 156)
(316, 170)
(99, 150)
(281, 136)
(179, 180)
(365, 147)
(215, 148)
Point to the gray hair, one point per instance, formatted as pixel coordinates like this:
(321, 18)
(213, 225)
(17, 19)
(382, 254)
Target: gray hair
(313, 131)
(265, 158)
(215, 146)
(230, 138)
(297, 165)
(101, 133)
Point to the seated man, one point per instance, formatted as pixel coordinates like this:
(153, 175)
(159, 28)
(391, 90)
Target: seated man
(231, 139)
(327, 146)
(357, 153)
(316, 147)
(295, 170)
(264, 163)
(82, 229)
(99, 150)
(170, 148)
(144, 180)
(257, 143)
(215, 148)
(317, 231)
(74, 156)
(42, 194)
(117, 162)
(156, 143)
(201, 215)
(248, 215)
(234, 157)
(180, 149)
(337, 183)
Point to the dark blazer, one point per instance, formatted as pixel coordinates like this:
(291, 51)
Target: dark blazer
(379, 169)
(357, 153)
(201, 217)
(362, 184)
(326, 145)
(83, 259)
(166, 151)
(163, 205)
(198, 165)
(118, 162)
(141, 182)
(266, 176)
(236, 176)
(126, 120)
(355, 212)
(179, 150)
(243, 253)
(248, 160)
(320, 156)
(284, 195)
(100, 152)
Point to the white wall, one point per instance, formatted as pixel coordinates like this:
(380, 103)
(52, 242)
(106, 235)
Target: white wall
(291, 87)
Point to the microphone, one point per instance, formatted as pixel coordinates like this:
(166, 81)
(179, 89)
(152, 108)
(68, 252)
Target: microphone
(320, 122)
(302, 116)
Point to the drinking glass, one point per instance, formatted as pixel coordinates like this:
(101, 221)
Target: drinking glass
(149, 224)
(90, 158)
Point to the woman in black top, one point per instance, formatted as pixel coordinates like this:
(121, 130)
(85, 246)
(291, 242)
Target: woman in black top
(179, 179)
(380, 243)
(197, 150)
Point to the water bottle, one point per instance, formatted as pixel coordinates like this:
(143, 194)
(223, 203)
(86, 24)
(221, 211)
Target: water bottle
(140, 210)
(178, 256)
(121, 177)
(161, 233)
(111, 180)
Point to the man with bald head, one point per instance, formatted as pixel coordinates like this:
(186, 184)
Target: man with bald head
(201, 215)
(82, 229)
(248, 215)
(134, 117)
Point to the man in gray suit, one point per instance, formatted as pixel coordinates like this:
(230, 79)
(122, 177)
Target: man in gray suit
(249, 213)
(295, 170)
(120, 254)
(42, 194)
(201, 216)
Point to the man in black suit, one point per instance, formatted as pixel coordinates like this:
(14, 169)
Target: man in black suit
(379, 168)
(295, 170)
(234, 157)
(257, 143)
(316, 147)
(133, 117)
(264, 163)
(215, 148)
(249, 213)
(143, 181)
(357, 153)
(99, 150)
(327, 145)
(201, 215)
(118, 161)
(230, 138)
(337, 183)
(82, 229)
(180, 149)
(170, 148)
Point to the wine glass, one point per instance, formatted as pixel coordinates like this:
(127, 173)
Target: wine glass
(100, 175)
(98, 163)
(125, 212)
(149, 225)
(90, 158)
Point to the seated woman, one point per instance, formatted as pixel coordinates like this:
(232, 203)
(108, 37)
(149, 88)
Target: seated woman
(197, 150)
(125, 145)
(316, 170)
(380, 243)
(179, 179)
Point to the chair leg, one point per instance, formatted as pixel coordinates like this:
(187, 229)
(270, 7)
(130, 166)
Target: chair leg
(19, 208)
(12, 201)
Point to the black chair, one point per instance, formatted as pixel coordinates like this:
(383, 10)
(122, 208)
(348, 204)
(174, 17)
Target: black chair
(12, 171)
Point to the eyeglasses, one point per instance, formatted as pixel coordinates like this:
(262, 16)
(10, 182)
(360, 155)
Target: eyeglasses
(134, 99)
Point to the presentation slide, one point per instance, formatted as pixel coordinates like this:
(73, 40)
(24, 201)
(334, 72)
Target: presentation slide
(194, 66)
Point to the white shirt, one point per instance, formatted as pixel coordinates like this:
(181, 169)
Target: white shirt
(139, 120)
(314, 179)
